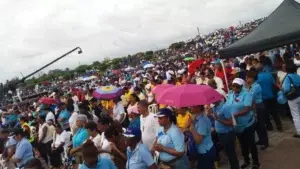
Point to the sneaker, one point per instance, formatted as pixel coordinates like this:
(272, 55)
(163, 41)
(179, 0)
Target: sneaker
(263, 147)
(245, 165)
(255, 166)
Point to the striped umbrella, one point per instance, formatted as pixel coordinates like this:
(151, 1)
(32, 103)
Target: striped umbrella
(107, 92)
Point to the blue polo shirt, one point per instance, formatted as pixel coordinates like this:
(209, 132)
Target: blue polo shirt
(139, 158)
(291, 79)
(203, 127)
(256, 92)
(173, 138)
(102, 162)
(79, 137)
(236, 103)
(223, 113)
(23, 152)
(266, 82)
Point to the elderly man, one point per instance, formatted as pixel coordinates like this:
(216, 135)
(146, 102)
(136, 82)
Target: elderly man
(212, 83)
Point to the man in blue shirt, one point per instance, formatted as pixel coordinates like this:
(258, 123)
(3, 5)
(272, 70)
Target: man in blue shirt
(23, 149)
(267, 83)
(138, 154)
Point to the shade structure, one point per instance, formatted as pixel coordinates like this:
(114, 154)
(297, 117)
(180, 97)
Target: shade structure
(107, 92)
(189, 95)
(280, 28)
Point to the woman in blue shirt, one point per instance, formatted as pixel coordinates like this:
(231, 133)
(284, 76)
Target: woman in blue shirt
(224, 128)
(239, 103)
(201, 131)
(258, 108)
(79, 138)
(170, 142)
(292, 79)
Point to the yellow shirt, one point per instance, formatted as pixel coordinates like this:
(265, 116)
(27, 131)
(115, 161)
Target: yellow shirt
(107, 104)
(182, 120)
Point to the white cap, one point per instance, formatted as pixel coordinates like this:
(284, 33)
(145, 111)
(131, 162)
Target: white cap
(238, 81)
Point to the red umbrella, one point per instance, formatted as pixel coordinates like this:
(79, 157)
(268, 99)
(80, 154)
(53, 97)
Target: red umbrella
(47, 100)
(194, 65)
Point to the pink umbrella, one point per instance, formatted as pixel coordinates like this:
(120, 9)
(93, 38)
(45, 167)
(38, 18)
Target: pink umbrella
(189, 95)
(161, 88)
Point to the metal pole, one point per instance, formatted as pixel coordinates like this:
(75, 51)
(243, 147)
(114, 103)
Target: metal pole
(71, 51)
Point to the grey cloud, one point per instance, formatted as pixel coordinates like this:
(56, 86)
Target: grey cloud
(35, 32)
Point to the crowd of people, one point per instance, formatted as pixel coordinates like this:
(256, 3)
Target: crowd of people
(134, 131)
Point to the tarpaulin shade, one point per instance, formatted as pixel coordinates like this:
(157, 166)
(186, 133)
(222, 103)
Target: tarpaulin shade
(280, 28)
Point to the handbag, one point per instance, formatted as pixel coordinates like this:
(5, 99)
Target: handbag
(295, 90)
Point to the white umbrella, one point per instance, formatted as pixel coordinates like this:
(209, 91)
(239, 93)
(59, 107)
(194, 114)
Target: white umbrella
(129, 69)
(148, 66)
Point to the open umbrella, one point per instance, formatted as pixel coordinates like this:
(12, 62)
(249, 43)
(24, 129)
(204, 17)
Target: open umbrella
(107, 92)
(194, 65)
(148, 66)
(48, 100)
(189, 95)
(161, 88)
(188, 59)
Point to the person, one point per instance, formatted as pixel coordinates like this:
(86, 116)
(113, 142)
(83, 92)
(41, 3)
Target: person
(91, 160)
(50, 116)
(258, 108)
(61, 139)
(24, 150)
(79, 138)
(64, 116)
(266, 81)
(149, 124)
(239, 103)
(34, 164)
(118, 110)
(201, 131)
(289, 87)
(133, 102)
(134, 118)
(24, 125)
(104, 145)
(138, 154)
(118, 147)
(170, 142)
(210, 75)
(225, 129)
(91, 127)
(9, 149)
(183, 117)
(139, 93)
(44, 138)
(94, 107)
(212, 83)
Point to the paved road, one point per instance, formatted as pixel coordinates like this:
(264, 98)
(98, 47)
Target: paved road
(283, 153)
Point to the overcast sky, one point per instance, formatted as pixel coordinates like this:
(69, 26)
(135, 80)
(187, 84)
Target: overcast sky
(34, 32)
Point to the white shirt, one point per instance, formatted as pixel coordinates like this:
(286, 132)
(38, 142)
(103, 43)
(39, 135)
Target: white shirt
(49, 134)
(50, 116)
(105, 145)
(118, 110)
(97, 140)
(281, 75)
(149, 126)
(219, 82)
(72, 122)
(63, 137)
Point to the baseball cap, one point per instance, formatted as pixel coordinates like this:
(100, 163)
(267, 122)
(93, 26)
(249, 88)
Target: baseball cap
(238, 81)
(133, 132)
(165, 112)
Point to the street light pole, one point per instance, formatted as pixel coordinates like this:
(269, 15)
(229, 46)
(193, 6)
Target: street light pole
(64, 55)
